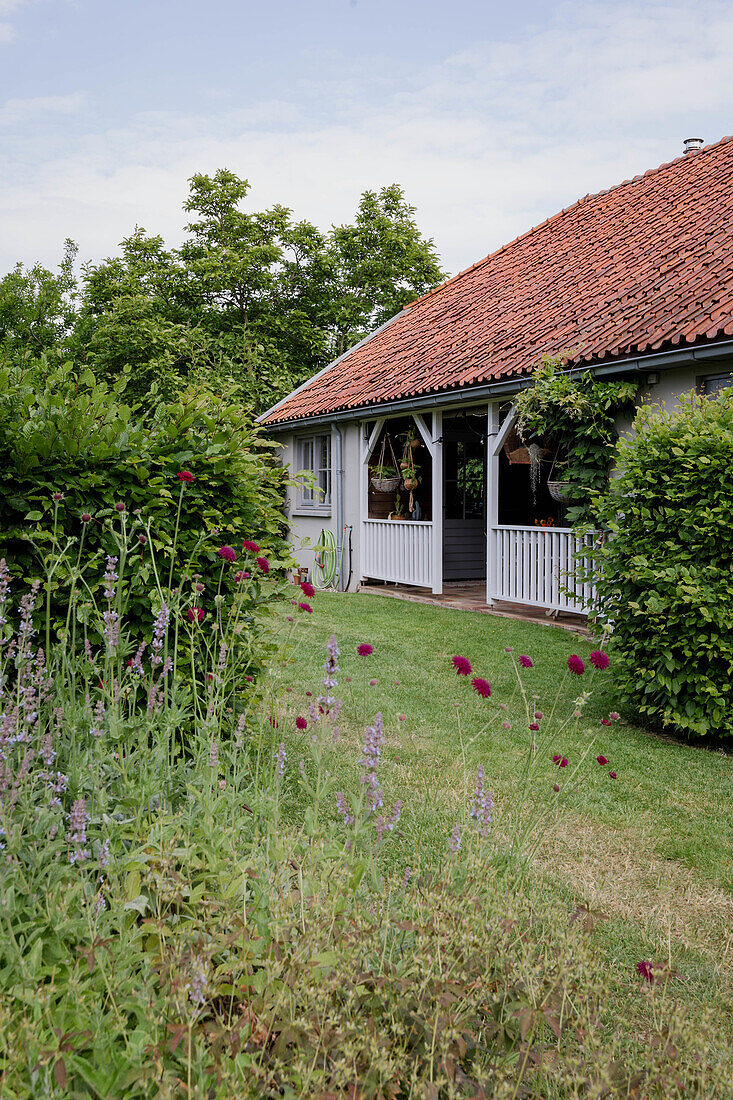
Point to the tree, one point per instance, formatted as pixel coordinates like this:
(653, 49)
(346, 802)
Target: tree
(379, 264)
(37, 307)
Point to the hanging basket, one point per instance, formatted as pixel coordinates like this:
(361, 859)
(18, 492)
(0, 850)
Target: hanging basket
(385, 484)
(562, 491)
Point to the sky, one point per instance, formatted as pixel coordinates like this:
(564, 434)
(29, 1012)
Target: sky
(491, 115)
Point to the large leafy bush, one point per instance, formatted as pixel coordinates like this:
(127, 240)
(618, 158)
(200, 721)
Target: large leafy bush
(667, 573)
(64, 432)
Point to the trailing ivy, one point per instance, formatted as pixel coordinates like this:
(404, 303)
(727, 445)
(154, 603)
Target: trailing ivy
(576, 415)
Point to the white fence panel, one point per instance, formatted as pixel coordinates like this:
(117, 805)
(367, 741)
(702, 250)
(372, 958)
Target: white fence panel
(536, 565)
(398, 550)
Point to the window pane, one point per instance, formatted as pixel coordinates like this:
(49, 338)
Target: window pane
(718, 382)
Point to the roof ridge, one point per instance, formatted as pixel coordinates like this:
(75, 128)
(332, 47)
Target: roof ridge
(566, 210)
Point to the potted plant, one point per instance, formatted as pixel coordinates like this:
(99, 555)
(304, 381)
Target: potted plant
(398, 509)
(409, 475)
(385, 479)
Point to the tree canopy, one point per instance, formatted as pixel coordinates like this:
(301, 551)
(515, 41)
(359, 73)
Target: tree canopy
(252, 300)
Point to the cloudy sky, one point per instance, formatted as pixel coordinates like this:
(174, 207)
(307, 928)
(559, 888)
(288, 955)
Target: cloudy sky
(491, 114)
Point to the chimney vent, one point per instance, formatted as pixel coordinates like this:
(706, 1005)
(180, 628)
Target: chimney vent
(692, 144)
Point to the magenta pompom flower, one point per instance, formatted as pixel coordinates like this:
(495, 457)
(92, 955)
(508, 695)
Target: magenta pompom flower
(263, 564)
(185, 475)
(481, 687)
(306, 607)
(599, 659)
(534, 725)
(525, 662)
(563, 763)
(646, 969)
(364, 650)
(605, 721)
(253, 547)
(307, 589)
(602, 760)
(556, 760)
(462, 665)
(612, 775)
(301, 723)
(195, 614)
(241, 575)
(556, 787)
(228, 553)
(576, 665)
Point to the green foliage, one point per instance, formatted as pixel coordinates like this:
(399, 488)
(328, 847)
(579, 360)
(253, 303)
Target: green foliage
(62, 431)
(666, 579)
(577, 416)
(253, 299)
(164, 932)
(37, 307)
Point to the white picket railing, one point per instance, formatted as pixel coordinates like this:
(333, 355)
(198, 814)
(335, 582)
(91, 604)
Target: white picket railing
(535, 565)
(398, 550)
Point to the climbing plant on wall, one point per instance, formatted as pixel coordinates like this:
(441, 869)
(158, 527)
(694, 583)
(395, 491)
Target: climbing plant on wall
(576, 415)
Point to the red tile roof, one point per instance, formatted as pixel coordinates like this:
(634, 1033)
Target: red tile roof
(643, 266)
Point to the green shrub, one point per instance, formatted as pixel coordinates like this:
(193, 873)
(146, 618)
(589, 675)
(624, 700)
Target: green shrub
(667, 573)
(63, 431)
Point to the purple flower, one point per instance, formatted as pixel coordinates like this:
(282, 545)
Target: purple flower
(646, 969)
(364, 650)
(301, 723)
(454, 841)
(525, 662)
(185, 475)
(599, 659)
(534, 726)
(306, 607)
(482, 805)
(263, 564)
(160, 626)
(602, 760)
(77, 834)
(612, 775)
(280, 761)
(253, 547)
(481, 687)
(307, 589)
(195, 614)
(576, 665)
(342, 807)
(462, 665)
(228, 553)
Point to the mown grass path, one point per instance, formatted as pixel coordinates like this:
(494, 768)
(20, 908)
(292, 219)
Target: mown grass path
(653, 848)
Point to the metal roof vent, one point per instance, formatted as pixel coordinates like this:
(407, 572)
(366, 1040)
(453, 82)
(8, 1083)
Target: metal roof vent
(692, 144)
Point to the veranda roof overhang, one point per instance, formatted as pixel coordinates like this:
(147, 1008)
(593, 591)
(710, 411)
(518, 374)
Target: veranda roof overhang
(478, 394)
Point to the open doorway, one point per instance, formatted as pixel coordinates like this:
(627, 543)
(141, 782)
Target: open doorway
(464, 497)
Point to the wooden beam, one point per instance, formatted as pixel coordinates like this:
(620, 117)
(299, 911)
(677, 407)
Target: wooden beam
(500, 433)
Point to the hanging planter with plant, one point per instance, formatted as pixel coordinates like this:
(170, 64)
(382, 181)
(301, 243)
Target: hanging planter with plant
(385, 478)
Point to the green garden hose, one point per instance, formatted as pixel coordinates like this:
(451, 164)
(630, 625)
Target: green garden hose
(325, 567)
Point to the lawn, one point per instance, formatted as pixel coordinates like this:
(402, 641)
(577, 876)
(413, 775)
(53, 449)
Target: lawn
(651, 849)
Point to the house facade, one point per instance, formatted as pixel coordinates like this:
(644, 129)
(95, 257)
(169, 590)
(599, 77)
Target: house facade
(417, 475)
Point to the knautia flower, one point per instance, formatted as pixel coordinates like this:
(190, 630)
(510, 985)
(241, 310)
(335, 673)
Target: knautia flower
(614, 715)
(525, 662)
(534, 726)
(481, 687)
(228, 553)
(612, 775)
(576, 664)
(86, 518)
(646, 969)
(306, 607)
(454, 841)
(602, 760)
(253, 547)
(599, 659)
(301, 723)
(365, 650)
(263, 564)
(241, 575)
(195, 614)
(77, 834)
(185, 476)
(307, 589)
(462, 665)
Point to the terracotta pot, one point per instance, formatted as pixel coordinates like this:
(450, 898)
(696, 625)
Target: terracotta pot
(393, 516)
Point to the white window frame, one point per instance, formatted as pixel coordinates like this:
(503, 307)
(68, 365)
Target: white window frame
(308, 456)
